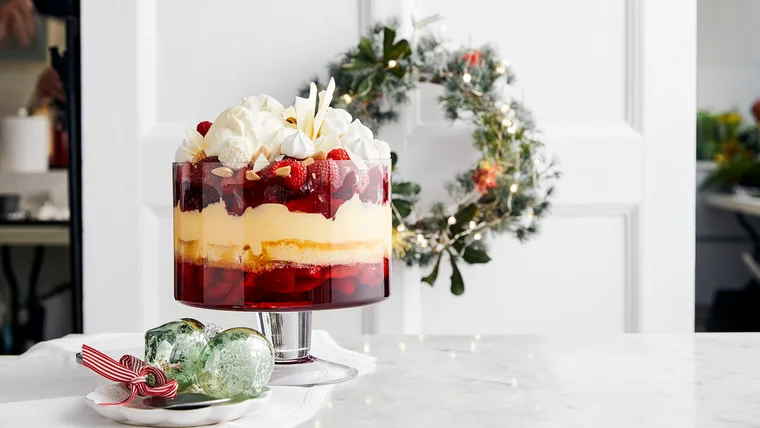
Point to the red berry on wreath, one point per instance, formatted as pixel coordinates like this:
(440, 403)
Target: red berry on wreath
(203, 127)
(756, 111)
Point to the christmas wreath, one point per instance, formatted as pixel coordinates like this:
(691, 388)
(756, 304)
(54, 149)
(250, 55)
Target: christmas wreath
(507, 191)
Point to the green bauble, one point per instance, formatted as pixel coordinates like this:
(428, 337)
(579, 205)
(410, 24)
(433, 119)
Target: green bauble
(236, 363)
(175, 348)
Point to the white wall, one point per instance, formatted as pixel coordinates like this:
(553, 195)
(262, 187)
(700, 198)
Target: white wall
(728, 60)
(728, 77)
(611, 82)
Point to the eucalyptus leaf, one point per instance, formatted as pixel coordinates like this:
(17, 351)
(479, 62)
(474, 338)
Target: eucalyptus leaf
(399, 72)
(389, 35)
(358, 64)
(379, 77)
(463, 217)
(364, 86)
(403, 207)
(466, 214)
(473, 256)
(430, 278)
(399, 50)
(457, 283)
(406, 188)
(366, 52)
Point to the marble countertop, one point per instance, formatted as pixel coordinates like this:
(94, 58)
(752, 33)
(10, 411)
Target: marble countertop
(702, 380)
(613, 381)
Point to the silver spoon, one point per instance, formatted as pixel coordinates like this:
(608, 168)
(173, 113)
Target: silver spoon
(181, 402)
(187, 401)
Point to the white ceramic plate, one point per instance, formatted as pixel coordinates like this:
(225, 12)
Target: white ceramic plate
(136, 413)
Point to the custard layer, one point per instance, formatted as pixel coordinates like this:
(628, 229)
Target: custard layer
(359, 233)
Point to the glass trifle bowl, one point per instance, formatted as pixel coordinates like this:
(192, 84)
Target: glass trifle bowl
(283, 211)
(256, 245)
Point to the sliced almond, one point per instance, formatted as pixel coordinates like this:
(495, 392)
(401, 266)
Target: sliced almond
(266, 151)
(283, 172)
(256, 155)
(252, 176)
(308, 161)
(222, 171)
(320, 155)
(199, 156)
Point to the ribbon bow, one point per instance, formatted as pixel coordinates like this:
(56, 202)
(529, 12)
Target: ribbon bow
(132, 372)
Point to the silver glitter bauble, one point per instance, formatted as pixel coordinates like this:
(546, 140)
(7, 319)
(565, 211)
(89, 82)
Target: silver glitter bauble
(236, 363)
(175, 348)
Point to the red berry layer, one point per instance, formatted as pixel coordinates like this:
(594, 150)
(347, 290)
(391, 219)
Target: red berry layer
(322, 187)
(286, 287)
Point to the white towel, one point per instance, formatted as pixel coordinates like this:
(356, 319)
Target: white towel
(46, 387)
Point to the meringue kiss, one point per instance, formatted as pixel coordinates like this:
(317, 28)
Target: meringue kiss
(297, 146)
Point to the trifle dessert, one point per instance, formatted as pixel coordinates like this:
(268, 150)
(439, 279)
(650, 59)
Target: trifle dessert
(282, 209)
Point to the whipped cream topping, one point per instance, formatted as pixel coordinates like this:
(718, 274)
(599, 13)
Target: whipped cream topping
(263, 103)
(360, 140)
(363, 148)
(298, 131)
(383, 149)
(335, 123)
(298, 146)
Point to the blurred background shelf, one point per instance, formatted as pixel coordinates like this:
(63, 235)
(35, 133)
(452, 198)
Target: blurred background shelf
(34, 232)
(24, 183)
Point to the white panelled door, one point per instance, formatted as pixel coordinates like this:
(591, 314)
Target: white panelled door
(611, 83)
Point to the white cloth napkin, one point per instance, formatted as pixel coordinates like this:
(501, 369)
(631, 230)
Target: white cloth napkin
(45, 387)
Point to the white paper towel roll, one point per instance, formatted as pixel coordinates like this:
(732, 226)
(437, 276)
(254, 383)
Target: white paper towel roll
(24, 143)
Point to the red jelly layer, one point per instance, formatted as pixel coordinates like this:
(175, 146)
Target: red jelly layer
(284, 288)
(325, 189)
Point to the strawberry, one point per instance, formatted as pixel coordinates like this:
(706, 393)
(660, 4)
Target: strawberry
(371, 275)
(210, 159)
(345, 286)
(232, 276)
(306, 204)
(361, 183)
(234, 202)
(273, 195)
(297, 176)
(203, 127)
(188, 272)
(311, 272)
(326, 173)
(267, 173)
(236, 181)
(277, 280)
(343, 271)
(338, 154)
(217, 293)
(250, 279)
(307, 284)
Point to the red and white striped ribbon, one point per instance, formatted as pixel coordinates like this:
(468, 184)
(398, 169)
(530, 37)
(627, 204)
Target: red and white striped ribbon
(131, 371)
